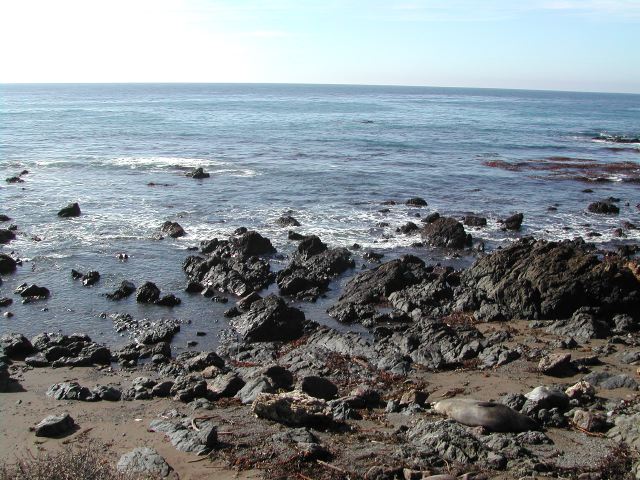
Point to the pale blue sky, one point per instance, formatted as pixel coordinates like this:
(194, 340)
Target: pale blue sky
(590, 45)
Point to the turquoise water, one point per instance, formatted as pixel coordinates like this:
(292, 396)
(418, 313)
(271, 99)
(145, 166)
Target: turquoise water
(328, 154)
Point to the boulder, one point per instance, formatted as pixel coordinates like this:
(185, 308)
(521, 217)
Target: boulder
(473, 221)
(556, 364)
(270, 319)
(145, 461)
(446, 232)
(7, 264)
(604, 208)
(27, 291)
(148, 293)
(416, 202)
(185, 438)
(252, 243)
(6, 236)
(168, 301)
(125, 289)
(319, 387)
(55, 426)
(15, 345)
(173, 229)
(198, 173)
(71, 391)
(514, 222)
(71, 210)
(287, 221)
(90, 278)
(294, 409)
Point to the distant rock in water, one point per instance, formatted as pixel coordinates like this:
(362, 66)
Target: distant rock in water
(474, 221)
(71, 210)
(514, 222)
(198, 173)
(446, 232)
(14, 180)
(173, 229)
(617, 139)
(416, 202)
(6, 236)
(4, 218)
(148, 293)
(125, 289)
(605, 208)
(287, 221)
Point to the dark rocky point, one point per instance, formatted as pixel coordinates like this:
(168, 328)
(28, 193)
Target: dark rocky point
(446, 232)
(514, 222)
(6, 236)
(198, 173)
(71, 210)
(173, 229)
(604, 208)
(148, 293)
(7, 264)
(473, 221)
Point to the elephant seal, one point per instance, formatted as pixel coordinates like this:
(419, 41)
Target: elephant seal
(493, 416)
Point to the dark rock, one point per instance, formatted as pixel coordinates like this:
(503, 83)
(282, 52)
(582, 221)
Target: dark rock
(148, 293)
(7, 264)
(173, 229)
(296, 237)
(254, 387)
(474, 221)
(55, 426)
(144, 461)
(5, 301)
(184, 438)
(198, 173)
(604, 208)
(4, 218)
(287, 221)
(270, 319)
(125, 289)
(90, 278)
(26, 291)
(432, 217)
(446, 232)
(416, 202)
(245, 302)
(37, 361)
(14, 180)
(373, 256)
(188, 387)
(252, 243)
(310, 246)
(279, 377)
(76, 275)
(71, 210)
(15, 345)
(227, 385)
(203, 360)
(162, 389)
(168, 301)
(161, 331)
(514, 222)
(6, 236)
(407, 228)
(319, 387)
(538, 279)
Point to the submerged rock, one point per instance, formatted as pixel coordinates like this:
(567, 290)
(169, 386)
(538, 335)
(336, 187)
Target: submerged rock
(605, 208)
(6, 236)
(7, 264)
(198, 173)
(514, 222)
(173, 229)
(446, 232)
(71, 210)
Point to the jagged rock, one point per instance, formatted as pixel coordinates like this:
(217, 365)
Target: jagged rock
(71, 391)
(446, 232)
(107, 393)
(514, 222)
(371, 287)
(15, 345)
(90, 278)
(125, 289)
(145, 461)
(168, 301)
(538, 279)
(605, 208)
(4, 218)
(252, 243)
(37, 361)
(407, 228)
(6, 236)
(287, 221)
(173, 229)
(610, 381)
(7, 264)
(583, 325)
(294, 409)
(556, 364)
(227, 385)
(71, 210)
(28, 291)
(188, 387)
(184, 438)
(270, 319)
(55, 426)
(627, 430)
(254, 387)
(198, 173)
(148, 293)
(204, 360)
(589, 421)
(474, 221)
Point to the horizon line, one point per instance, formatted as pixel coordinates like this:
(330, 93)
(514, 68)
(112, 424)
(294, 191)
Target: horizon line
(325, 85)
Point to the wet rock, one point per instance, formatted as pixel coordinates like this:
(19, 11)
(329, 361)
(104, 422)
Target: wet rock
(371, 287)
(4, 218)
(173, 229)
(252, 243)
(6, 236)
(71, 391)
(71, 210)
(287, 221)
(407, 228)
(29, 291)
(514, 222)
(144, 461)
(198, 173)
(610, 381)
(168, 301)
(270, 319)
(90, 278)
(604, 208)
(432, 217)
(160, 331)
(538, 279)
(125, 289)
(446, 232)
(148, 293)
(416, 202)
(319, 387)
(294, 409)
(55, 426)
(186, 439)
(473, 221)
(7, 264)
(15, 345)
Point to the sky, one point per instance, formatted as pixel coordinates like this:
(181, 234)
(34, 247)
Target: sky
(578, 45)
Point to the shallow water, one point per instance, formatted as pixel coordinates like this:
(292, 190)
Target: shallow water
(328, 154)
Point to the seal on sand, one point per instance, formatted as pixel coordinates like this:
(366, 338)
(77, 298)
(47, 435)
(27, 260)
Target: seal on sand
(493, 416)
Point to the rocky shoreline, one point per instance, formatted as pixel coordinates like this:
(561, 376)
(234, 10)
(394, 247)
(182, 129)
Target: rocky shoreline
(522, 365)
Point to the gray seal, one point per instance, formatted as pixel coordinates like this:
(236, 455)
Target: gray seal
(493, 416)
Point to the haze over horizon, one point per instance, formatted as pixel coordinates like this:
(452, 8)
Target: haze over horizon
(571, 45)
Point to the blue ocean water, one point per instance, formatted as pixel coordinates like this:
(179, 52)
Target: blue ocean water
(329, 155)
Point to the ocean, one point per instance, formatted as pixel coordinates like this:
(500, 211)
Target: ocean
(328, 155)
